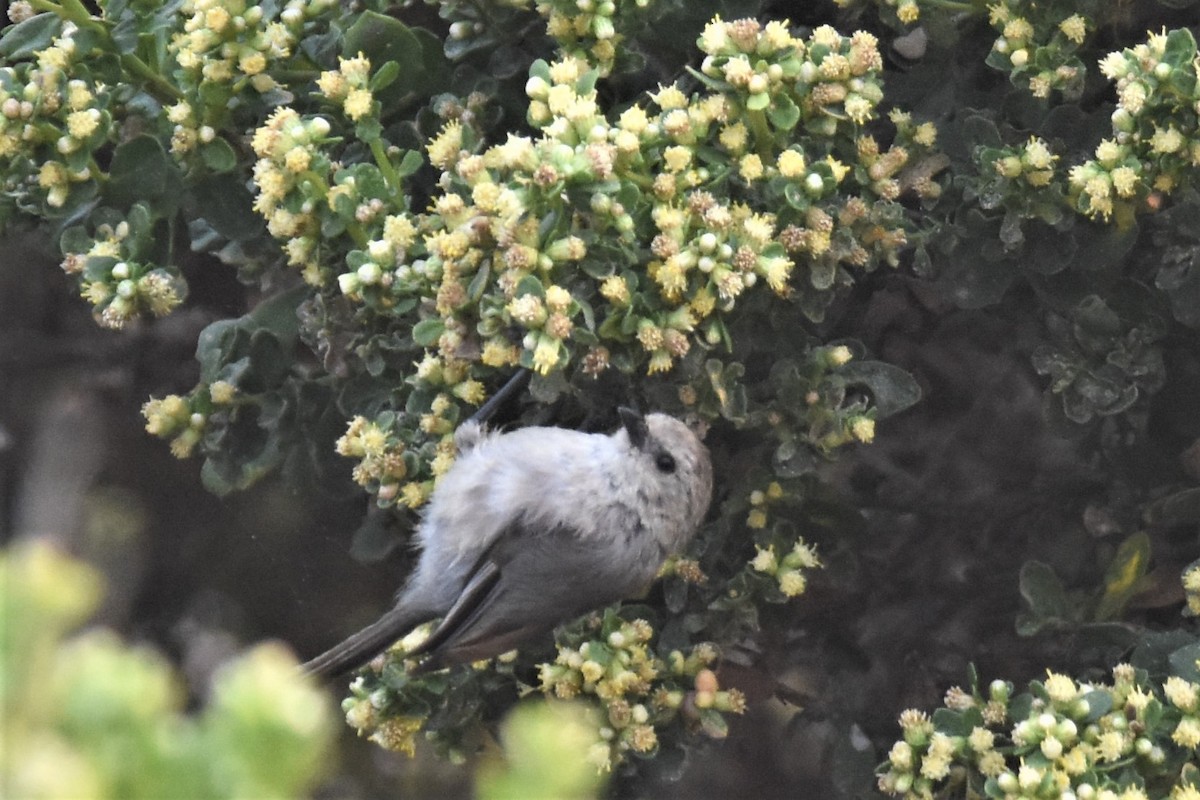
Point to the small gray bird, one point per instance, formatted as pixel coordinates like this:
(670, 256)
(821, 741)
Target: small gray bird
(533, 527)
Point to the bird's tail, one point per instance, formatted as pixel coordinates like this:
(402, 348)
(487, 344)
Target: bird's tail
(361, 647)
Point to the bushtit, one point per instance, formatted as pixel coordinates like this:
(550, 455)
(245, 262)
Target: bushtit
(533, 527)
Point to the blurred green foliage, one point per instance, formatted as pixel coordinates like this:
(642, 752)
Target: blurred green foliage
(546, 747)
(693, 206)
(87, 715)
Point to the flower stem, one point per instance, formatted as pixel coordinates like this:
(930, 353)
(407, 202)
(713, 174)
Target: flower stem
(160, 86)
(386, 167)
(955, 5)
(762, 133)
(74, 11)
(70, 10)
(357, 234)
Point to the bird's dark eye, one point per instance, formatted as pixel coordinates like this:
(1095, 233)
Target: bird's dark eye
(665, 462)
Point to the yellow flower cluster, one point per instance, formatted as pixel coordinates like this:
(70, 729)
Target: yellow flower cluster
(381, 456)
(1153, 148)
(348, 85)
(586, 29)
(487, 227)
(389, 464)
(833, 76)
(787, 571)
(290, 167)
(1032, 164)
(226, 47)
(638, 690)
(119, 288)
(53, 120)
(1185, 696)
(234, 42)
(760, 501)
(1114, 176)
(1061, 748)
(173, 417)
(1037, 45)
(1191, 586)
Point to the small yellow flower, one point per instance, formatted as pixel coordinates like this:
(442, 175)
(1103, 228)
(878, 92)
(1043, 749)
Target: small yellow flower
(791, 164)
(399, 231)
(615, 290)
(826, 36)
(634, 120)
(1108, 152)
(1061, 688)
(981, 740)
(703, 303)
(669, 97)
(444, 148)
(660, 361)
(414, 494)
(356, 69)
(1166, 141)
(677, 158)
(1132, 97)
(546, 355)
(840, 170)
(777, 271)
(358, 103)
(776, 35)
(1074, 28)
(1018, 29)
(858, 108)
(1187, 732)
(925, 134)
(792, 583)
(398, 734)
(750, 167)
(333, 84)
(1114, 66)
(1112, 745)
(51, 175)
(558, 298)
(734, 137)
(1098, 187)
(863, 429)
(803, 555)
(1191, 579)
(715, 37)
(1181, 693)
(252, 62)
(1037, 154)
(82, 124)
(566, 70)
(471, 392)
(1125, 181)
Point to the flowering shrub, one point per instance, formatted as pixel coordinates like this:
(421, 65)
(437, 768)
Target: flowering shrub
(1128, 740)
(640, 202)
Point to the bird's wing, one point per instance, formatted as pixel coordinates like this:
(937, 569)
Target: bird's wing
(527, 582)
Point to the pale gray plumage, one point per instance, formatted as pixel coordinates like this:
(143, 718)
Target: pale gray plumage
(533, 527)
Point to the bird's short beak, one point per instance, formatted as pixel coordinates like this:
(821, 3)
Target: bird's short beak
(635, 426)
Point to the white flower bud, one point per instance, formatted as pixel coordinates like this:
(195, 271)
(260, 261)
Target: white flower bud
(369, 274)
